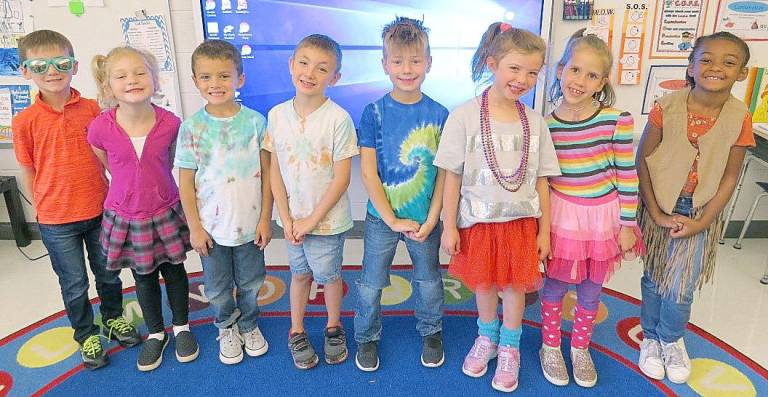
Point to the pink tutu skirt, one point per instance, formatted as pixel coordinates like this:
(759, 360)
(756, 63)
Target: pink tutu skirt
(584, 238)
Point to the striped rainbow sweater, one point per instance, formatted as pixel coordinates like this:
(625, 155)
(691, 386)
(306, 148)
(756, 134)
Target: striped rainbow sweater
(597, 158)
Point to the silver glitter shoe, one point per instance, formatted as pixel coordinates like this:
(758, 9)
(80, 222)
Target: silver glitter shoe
(584, 372)
(553, 365)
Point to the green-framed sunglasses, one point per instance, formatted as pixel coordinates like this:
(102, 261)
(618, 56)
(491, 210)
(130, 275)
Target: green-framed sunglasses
(40, 65)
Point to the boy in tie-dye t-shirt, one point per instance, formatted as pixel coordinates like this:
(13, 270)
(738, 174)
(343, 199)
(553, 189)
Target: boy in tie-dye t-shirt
(227, 200)
(398, 139)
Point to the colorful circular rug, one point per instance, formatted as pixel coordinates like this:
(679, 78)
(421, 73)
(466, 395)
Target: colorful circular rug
(43, 359)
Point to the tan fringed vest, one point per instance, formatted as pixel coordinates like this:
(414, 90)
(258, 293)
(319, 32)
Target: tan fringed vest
(671, 162)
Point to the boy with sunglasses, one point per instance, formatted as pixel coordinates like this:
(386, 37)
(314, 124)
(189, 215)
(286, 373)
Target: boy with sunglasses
(68, 186)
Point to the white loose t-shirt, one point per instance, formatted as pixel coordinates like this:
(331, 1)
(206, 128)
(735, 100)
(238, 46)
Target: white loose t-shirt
(306, 150)
(225, 151)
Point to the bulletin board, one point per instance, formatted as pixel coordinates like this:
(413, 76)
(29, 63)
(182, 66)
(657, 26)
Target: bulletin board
(15, 92)
(106, 21)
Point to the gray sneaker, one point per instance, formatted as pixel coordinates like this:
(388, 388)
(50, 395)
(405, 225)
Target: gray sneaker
(367, 357)
(335, 346)
(432, 354)
(186, 347)
(303, 353)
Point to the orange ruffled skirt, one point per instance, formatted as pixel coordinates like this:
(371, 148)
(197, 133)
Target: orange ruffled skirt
(498, 255)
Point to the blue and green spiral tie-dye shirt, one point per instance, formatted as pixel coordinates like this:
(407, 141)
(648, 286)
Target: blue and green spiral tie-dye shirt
(405, 137)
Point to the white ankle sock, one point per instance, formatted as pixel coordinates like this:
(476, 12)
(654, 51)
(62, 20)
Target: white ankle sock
(158, 336)
(179, 328)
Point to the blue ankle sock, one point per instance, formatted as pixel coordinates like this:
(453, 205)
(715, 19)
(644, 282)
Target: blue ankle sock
(490, 329)
(511, 337)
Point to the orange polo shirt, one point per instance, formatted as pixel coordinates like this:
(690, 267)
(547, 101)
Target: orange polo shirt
(69, 183)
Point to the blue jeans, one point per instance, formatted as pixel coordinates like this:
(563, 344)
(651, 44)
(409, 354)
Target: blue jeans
(380, 244)
(64, 243)
(225, 267)
(662, 316)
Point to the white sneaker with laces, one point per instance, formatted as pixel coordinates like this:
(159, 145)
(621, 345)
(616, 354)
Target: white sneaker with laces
(230, 345)
(255, 344)
(650, 361)
(676, 361)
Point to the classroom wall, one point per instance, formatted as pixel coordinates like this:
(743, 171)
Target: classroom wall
(184, 21)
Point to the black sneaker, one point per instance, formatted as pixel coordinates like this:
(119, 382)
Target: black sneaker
(122, 331)
(151, 355)
(335, 345)
(302, 352)
(367, 357)
(93, 354)
(432, 354)
(186, 347)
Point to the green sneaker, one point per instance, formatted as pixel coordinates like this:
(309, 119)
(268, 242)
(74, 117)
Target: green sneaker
(93, 354)
(122, 331)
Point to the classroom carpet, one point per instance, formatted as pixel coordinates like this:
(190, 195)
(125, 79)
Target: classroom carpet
(42, 359)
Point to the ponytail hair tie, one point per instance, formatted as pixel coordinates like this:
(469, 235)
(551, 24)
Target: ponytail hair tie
(505, 26)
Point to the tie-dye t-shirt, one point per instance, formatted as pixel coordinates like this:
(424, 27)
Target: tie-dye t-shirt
(225, 153)
(306, 149)
(405, 137)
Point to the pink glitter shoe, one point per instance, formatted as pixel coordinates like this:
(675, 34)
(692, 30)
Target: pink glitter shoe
(507, 369)
(476, 361)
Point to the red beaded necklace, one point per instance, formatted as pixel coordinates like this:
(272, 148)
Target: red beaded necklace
(509, 182)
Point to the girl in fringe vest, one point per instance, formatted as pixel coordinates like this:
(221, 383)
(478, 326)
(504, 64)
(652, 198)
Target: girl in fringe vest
(593, 204)
(688, 164)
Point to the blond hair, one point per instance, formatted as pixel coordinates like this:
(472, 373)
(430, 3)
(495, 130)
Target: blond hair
(500, 39)
(100, 67)
(405, 33)
(606, 96)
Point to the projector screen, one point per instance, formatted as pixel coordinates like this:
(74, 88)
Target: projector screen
(266, 33)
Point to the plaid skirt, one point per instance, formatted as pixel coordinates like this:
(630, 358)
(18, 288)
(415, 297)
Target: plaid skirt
(144, 244)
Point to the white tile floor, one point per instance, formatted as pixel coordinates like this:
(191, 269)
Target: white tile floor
(734, 308)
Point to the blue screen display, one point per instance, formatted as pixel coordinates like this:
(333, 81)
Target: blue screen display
(266, 33)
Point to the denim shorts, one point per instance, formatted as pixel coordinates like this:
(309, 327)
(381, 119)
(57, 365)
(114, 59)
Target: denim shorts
(319, 255)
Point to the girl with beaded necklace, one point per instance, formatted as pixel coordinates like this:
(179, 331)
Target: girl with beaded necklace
(498, 154)
(593, 203)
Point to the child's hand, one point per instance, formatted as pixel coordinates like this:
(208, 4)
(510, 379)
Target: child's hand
(288, 232)
(404, 226)
(263, 234)
(450, 242)
(627, 239)
(424, 231)
(688, 227)
(302, 227)
(201, 241)
(667, 221)
(542, 244)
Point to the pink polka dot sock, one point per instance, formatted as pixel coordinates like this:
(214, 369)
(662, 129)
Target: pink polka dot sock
(551, 315)
(583, 322)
